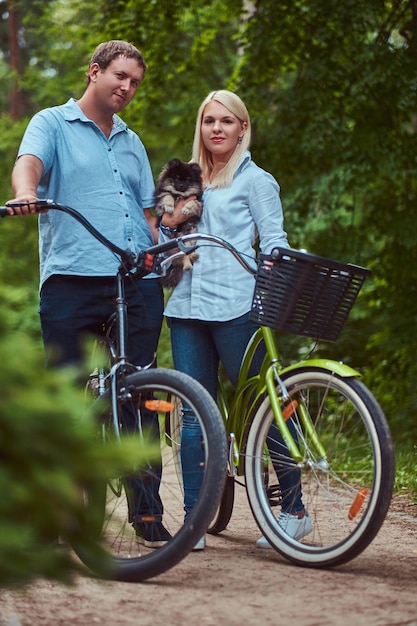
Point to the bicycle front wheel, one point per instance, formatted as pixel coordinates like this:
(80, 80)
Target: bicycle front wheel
(346, 491)
(151, 493)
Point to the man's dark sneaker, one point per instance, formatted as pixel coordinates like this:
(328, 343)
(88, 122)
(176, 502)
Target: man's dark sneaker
(152, 534)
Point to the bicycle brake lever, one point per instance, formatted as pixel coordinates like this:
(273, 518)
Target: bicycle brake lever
(146, 263)
(186, 249)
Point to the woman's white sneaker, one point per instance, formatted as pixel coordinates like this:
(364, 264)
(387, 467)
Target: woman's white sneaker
(295, 526)
(200, 545)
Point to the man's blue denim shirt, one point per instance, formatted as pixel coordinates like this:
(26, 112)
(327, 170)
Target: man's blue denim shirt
(108, 180)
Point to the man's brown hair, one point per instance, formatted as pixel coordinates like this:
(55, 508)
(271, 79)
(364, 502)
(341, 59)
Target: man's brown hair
(107, 51)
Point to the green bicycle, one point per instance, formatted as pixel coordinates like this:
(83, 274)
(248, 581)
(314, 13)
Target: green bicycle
(314, 415)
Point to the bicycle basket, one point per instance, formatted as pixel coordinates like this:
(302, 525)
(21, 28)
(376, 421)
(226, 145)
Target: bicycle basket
(305, 294)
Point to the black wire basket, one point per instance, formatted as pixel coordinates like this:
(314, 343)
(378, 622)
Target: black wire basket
(305, 294)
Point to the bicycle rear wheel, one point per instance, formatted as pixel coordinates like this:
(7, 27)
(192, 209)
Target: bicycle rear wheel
(225, 508)
(115, 551)
(347, 493)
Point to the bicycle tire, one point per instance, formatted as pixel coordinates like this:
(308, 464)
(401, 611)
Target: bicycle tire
(225, 508)
(112, 551)
(173, 427)
(359, 473)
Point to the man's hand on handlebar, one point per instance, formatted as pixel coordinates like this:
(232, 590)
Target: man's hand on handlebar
(24, 205)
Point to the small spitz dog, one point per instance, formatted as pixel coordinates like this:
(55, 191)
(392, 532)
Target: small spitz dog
(180, 180)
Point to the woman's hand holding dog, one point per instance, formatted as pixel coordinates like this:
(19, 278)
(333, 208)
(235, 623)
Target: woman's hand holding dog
(172, 220)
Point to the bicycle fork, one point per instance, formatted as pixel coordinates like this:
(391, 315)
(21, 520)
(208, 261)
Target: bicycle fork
(282, 413)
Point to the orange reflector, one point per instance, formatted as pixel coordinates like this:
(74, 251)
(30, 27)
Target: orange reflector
(159, 405)
(289, 409)
(357, 503)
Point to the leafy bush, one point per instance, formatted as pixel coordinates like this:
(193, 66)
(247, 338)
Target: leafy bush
(48, 448)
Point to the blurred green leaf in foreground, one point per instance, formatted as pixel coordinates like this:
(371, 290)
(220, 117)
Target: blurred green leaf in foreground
(48, 448)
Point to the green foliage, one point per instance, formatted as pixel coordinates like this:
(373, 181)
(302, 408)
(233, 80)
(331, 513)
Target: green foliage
(19, 241)
(10, 137)
(46, 451)
(60, 46)
(332, 90)
(54, 49)
(406, 480)
(49, 448)
(164, 348)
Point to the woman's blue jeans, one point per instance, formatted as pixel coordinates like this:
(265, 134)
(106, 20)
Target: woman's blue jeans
(198, 347)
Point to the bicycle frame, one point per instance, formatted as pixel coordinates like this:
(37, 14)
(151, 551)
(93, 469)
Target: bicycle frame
(251, 390)
(120, 365)
(120, 350)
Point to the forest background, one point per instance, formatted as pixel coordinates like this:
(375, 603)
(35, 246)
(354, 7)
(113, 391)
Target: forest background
(331, 86)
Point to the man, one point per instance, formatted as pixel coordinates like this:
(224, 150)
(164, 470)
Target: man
(83, 155)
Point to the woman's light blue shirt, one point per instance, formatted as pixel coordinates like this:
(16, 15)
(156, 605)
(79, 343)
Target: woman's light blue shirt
(218, 288)
(108, 180)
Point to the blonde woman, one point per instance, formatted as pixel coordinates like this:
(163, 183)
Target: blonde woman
(208, 312)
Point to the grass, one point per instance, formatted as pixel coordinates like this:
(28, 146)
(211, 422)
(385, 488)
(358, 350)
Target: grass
(405, 472)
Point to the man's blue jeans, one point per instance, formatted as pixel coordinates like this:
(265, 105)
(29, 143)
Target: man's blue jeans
(198, 347)
(74, 308)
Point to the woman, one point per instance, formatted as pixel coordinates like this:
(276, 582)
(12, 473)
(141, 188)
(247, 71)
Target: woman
(208, 312)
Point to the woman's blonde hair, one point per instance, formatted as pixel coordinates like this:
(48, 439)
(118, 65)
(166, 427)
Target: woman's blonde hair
(202, 155)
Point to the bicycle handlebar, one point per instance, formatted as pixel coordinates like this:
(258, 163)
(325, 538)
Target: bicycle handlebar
(146, 261)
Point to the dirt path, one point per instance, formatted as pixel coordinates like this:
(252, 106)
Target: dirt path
(233, 583)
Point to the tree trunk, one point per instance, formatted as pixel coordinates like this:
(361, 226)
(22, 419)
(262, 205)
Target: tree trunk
(15, 106)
